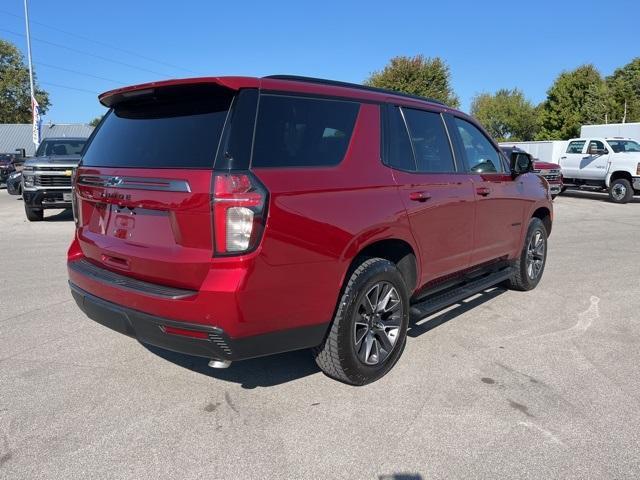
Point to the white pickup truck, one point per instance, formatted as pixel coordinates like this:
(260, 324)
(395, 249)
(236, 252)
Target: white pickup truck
(611, 164)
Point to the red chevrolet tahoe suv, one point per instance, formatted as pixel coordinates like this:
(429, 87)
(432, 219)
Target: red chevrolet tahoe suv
(235, 217)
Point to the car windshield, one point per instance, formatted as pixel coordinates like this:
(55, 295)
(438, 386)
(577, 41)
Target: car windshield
(51, 148)
(622, 146)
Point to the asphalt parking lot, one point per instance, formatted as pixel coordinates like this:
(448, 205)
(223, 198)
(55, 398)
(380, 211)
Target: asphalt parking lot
(542, 384)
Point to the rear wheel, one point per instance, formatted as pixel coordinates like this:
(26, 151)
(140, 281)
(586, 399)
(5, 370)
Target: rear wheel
(620, 191)
(369, 329)
(34, 214)
(533, 258)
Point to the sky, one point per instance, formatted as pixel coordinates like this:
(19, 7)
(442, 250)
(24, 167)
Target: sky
(82, 48)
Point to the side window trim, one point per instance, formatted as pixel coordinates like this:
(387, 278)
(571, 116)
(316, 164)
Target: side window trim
(456, 141)
(408, 132)
(454, 153)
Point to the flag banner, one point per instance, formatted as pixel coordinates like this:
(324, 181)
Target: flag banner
(35, 108)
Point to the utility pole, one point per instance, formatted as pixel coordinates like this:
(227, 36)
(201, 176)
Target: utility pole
(26, 20)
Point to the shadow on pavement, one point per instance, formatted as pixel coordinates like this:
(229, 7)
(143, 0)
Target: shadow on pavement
(401, 476)
(417, 328)
(63, 216)
(259, 372)
(286, 367)
(598, 196)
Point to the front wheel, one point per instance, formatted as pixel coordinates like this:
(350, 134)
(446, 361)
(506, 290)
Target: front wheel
(620, 191)
(533, 258)
(369, 329)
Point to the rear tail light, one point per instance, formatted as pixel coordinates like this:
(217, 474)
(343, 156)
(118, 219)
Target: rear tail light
(74, 200)
(239, 212)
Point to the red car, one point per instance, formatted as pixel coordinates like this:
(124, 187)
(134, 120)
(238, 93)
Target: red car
(234, 217)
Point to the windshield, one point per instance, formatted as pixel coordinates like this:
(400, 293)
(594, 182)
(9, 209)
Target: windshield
(621, 146)
(51, 148)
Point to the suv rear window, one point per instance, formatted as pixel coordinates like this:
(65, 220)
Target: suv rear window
(302, 132)
(179, 129)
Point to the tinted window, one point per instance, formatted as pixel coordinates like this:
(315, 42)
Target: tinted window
(575, 146)
(60, 147)
(399, 146)
(619, 146)
(180, 131)
(299, 132)
(430, 141)
(595, 145)
(482, 157)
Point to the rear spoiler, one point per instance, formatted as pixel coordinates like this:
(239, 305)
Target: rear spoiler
(135, 92)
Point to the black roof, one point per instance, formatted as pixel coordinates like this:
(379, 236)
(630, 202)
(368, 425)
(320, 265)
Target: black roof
(336, 83)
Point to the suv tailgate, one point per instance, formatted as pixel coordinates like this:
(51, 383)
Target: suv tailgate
(143, 188)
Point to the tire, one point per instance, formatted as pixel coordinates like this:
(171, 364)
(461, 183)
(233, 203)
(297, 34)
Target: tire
(34, 214)
(620, 191)
(533, 258)
(362, 347)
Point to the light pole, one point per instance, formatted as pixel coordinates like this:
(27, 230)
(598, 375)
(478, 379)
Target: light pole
(26, 21)
(35, 108)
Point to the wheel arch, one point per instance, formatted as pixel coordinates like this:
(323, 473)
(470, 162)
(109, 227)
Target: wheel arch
(544, 214)
(613, 176)
(397, 251)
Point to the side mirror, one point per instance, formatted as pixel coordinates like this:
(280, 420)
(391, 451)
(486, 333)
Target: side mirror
(521, 163)
(598, 151)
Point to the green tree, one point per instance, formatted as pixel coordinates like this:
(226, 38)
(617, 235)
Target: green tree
(15, 98)
(598, 104)
(95, 121)
(624, 90)
(419, 75)
(568, 106)
(507, 115)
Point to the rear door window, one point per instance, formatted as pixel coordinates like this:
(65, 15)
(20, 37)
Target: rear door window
(576, 146)
(179, 130)
(430, 141)
(302, 132)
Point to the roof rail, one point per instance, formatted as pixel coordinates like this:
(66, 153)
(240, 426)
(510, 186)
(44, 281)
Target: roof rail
(336, 83)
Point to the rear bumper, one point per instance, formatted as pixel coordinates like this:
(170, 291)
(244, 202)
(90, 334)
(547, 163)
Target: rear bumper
(46, 198)
(195, 339)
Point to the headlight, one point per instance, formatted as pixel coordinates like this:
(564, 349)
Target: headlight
(28, 180)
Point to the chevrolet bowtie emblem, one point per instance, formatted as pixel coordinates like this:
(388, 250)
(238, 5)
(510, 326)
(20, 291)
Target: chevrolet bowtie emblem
(114, 181)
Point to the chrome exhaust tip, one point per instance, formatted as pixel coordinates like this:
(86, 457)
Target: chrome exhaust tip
(219, 363)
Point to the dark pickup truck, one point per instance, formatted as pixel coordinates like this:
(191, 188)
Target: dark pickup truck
(46, 178)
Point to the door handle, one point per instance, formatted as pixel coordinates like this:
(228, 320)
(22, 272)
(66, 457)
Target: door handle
(563, 158)
(484, 191)
(419, 196)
